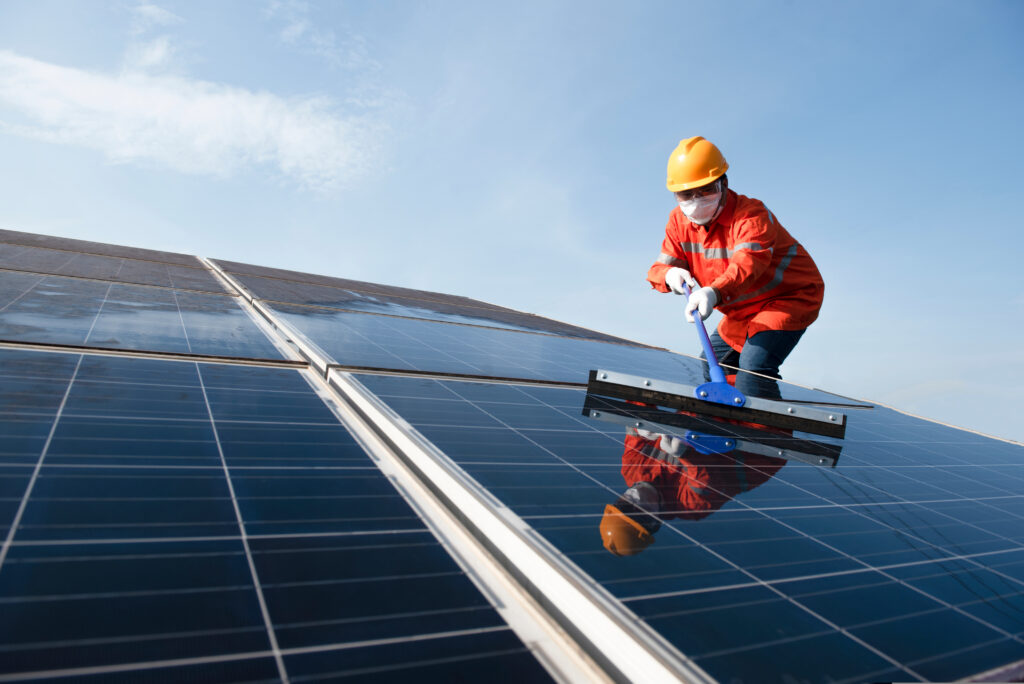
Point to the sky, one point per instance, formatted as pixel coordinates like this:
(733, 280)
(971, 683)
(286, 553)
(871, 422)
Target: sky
(516, 154)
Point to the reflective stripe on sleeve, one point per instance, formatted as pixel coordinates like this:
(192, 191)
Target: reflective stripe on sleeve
(671, 260)
(707, 253)
(719, 252)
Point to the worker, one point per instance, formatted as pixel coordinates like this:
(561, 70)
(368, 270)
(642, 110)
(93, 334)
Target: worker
(736, 257)
(668, 478)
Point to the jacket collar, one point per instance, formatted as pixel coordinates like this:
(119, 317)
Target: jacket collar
(728, 210)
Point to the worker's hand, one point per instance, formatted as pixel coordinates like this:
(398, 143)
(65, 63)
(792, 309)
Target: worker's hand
(672, 445)
(703, 302)
(645, 434)
(675, 277)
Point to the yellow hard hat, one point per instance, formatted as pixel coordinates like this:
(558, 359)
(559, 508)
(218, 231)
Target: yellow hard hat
(694, 162)
(622, 535)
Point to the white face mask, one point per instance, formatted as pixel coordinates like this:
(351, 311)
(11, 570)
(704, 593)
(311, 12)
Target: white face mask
(645, 495)
(701, 210)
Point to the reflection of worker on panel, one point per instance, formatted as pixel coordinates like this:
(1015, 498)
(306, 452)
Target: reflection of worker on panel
(667, 478)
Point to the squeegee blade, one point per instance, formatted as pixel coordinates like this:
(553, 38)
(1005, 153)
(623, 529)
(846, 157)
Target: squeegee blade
(772, 413)
(743, 438)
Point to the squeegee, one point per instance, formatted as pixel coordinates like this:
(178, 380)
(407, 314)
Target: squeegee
(716, 398)
(708, 437)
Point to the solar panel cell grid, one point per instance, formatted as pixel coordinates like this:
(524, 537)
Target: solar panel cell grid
(429, 306)
(169, 520)
(849, 567)
(150, 539)
(372, 341)
(14, 237)
(353, 285)
(228, 669)
(60, 310)
(118, 269)
(487, 656)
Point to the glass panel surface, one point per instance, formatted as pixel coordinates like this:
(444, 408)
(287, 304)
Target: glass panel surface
(412, 304)
(371, 341)
(52, 309)
(907, 551)
(118, 269)
(481, 657)
(353, 285)
(175, 500)
(15, 237)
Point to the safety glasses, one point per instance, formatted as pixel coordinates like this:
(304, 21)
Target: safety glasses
(702, 191)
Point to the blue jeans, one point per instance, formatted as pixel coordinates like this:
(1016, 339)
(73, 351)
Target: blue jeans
(763, 353)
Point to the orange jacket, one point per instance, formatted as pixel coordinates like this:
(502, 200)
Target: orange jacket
(766, 279)
(695, 485)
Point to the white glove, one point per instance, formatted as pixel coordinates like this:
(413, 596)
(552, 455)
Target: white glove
(675, 277)
(703, 302)
(672, 445)
(646, 434)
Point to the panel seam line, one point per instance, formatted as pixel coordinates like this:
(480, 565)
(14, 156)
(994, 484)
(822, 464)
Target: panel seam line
(271, 635)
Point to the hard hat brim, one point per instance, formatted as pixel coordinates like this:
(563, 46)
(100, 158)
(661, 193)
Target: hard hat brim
(677, 187)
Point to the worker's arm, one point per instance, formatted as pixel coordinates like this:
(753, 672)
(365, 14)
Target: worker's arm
(752, 246)
(671, 256)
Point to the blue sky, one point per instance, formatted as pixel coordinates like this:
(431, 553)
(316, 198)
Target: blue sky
(516, 154)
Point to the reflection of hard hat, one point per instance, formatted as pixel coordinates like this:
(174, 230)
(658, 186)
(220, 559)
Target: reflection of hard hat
(622, 535)
(694, 162)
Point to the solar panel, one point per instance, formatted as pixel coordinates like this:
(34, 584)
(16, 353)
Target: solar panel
(298, 288)
(151, 537)
(58, 310)
(360, 340)
(47, 261)
(14, 237)
(236, 268)
(186, 518)
(869, 571)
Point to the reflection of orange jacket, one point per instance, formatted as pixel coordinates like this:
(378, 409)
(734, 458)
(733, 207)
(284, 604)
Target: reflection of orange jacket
(694, 485)
(766, 279)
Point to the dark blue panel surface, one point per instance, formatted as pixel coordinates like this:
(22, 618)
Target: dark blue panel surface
(32, 388)
(906, 557)
(184, 518)
(51, 309)
(409, 304)
(492, 656)
(14, 237)
(93, 605)
(213, 670)
(387, 342)
(372, 341)
(117, 269)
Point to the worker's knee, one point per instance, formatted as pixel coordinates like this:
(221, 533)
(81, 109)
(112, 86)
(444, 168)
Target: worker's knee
(764, 352)
(765, 364)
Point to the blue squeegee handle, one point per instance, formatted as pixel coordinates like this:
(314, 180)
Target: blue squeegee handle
(717, 375)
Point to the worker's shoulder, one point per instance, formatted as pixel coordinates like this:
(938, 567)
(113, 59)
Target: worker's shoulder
(749, 207)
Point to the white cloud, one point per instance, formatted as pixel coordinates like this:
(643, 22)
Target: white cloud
(146, 16)
(299, 30)
(150, 54)
(186, 124)
(145, 51)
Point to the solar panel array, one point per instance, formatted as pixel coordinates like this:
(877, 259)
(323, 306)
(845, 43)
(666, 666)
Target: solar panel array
(173, 519)
(185, 517)
(904, 562)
